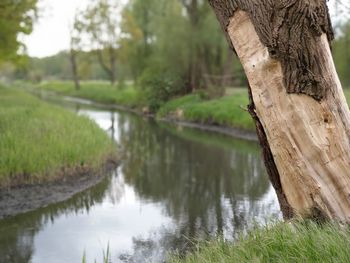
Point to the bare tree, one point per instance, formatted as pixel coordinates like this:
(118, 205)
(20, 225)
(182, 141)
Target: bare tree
(75, 32)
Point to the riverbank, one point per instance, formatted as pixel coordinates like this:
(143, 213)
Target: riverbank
(305, 242)
(43, 148)
(227, 114)
(224, 113)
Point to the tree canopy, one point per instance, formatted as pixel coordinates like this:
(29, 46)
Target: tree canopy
(16, 17)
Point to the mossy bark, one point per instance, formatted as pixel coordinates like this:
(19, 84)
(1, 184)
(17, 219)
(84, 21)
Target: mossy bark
(301, 115)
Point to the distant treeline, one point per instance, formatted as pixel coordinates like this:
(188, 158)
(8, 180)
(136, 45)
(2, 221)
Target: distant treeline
(167, 47)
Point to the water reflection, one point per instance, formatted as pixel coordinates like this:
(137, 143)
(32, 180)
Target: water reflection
(175, 184)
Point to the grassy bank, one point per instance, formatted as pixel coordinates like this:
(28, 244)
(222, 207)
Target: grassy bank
(227, 111)
(41, 142)
(282, 242)
(101, 92)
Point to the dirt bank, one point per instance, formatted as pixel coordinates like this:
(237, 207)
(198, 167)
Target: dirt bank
(25, 198)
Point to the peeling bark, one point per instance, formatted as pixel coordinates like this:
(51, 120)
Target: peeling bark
(305, 137)
(289, 29)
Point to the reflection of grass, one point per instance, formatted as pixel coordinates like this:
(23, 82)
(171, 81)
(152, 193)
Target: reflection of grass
(281, 242)
(213, 139)
(39, 141)
(101, 92)
(224, 111)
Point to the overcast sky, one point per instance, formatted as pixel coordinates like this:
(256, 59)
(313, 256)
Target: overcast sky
(51, 32)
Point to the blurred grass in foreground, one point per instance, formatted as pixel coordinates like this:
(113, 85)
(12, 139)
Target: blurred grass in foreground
(303, 242)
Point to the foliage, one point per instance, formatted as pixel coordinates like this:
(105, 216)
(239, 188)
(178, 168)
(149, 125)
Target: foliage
(189, 50)
(16, 17)
(100, 25)
(304, 242)
(38, 140)
(159, 86)
(57, 67)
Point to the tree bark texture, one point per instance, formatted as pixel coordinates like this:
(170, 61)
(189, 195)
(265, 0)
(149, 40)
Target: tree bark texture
(302, 118)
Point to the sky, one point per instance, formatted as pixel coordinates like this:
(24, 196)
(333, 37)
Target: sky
(51, 31)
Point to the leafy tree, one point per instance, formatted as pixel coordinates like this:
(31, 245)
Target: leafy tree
(75, 46)
(101, 26)
(16, 17)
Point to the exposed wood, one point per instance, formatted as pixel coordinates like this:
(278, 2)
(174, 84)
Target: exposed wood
(290, 30)
(272, 171)
(308, 139)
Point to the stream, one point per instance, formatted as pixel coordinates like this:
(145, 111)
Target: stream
(175, 185)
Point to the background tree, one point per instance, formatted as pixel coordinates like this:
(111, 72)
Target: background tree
(16, 17)
(103, 32)
(75, 45)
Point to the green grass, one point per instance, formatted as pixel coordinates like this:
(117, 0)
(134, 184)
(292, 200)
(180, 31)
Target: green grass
(101, 92)
(281, 242)
(39, 142)
(225, 111)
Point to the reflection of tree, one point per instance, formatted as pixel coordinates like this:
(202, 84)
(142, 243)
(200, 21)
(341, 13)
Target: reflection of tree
(112, 127)
(17, 233)
(207, 189)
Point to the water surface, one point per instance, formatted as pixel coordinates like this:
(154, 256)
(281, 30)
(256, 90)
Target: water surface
(175, 184)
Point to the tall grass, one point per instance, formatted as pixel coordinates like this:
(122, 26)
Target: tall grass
(39, 141)
(281, 242)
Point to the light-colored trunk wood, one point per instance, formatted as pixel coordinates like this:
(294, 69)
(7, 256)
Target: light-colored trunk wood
(309, 140)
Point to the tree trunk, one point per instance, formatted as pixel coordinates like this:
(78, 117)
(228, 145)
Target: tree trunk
(73, 61)
(109, 69)
(112, 59)
(302, 118)
(194, 67)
